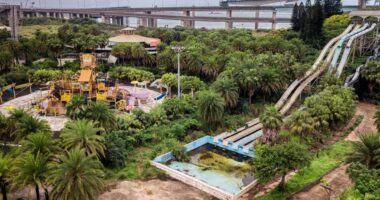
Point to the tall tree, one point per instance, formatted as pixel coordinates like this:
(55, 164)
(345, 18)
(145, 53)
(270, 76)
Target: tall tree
(100, 113)
(5, 174)
(39, 143)
(295, 18)
(28, 125)
(301, 123)
(211, 106)
(278, 160)
(317, 17)
(228, 89)
(83, 134)
(32, 170)
(332, 7)
(77, 176)
(271, 119)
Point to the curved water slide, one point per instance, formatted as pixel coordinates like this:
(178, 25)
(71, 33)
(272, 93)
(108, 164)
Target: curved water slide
(347, 50)
(320, 58)
(245, 136)
(340, 45)
(318, 72)
(350, 80)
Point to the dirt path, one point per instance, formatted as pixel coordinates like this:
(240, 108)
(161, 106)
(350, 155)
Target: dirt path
(367, 125)
(338, 180)
(154, 190)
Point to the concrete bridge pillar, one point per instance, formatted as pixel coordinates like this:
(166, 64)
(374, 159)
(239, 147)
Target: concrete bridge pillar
(13, 21)
(274, 15)
(125, 21)
(257, 16)
(229, 24)
(152, 22)
(106, 20)
(21, 14)
(142, 22)
(188, 22)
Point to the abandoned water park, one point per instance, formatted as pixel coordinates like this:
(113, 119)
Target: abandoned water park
(190, 100)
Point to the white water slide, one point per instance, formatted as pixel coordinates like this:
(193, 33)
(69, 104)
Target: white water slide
(246, 135)
(347, 50)
(341, 43)
(350, 80)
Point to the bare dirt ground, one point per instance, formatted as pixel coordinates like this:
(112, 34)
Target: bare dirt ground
(154, 190)
(338, 180)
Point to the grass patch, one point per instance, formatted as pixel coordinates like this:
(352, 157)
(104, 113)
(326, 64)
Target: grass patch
(28, 31)
(322, 163)
(351, 194)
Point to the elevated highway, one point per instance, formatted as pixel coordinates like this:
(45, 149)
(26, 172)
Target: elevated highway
(148, 16)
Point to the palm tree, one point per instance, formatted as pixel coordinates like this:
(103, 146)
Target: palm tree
(100, 113)
(301, 123)
(211, 106)
(83, 134)
(377, 118)
(138, 52)
(32, 170)
(366, 150)
(77, 176)
(211, 67)
(228, 89)
(271, 119)
(38, 143)
(28, 125)
(76, 108)
(5, 169)
(272, 80)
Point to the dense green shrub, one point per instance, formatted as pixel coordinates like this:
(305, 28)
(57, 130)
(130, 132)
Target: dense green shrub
(180, 154)
(40, 76)
(334, 25)
(72, 66)
(18, 77)
(188, 83)
(115, 154)
(131, 74)
(46, 64)
(176, 108)
(367, 181)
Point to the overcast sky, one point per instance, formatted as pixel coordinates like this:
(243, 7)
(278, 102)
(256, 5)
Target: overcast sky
(132, 3)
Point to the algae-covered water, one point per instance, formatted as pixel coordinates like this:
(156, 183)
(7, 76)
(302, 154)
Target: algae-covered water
(216, 170)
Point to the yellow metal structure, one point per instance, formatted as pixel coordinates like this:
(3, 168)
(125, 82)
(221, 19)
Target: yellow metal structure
(101, 96)
(66, 96)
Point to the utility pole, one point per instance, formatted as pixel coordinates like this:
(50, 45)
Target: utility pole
(178, 50)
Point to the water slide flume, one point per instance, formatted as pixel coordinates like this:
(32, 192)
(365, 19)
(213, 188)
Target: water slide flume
(347, 50)
(341, 43)
(254, 125)
(350, 80)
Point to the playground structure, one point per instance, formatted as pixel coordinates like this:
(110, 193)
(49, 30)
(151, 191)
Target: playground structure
(50, 103)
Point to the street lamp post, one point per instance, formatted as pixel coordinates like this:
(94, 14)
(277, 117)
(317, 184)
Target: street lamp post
(178, 50)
